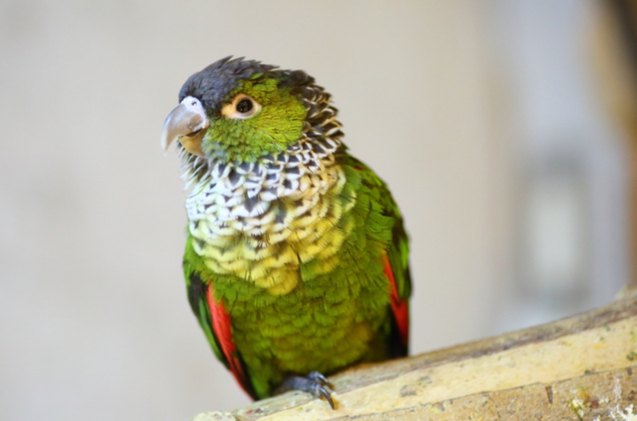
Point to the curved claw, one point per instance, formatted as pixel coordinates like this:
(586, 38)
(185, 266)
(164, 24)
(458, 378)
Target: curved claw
(326, 393)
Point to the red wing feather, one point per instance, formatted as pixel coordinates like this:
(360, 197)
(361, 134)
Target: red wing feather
(399, 306)
(221, 325)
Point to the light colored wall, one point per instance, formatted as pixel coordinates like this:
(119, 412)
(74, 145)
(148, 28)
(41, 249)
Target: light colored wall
(95, 321)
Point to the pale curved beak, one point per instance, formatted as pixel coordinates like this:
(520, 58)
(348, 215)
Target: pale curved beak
(185, 120)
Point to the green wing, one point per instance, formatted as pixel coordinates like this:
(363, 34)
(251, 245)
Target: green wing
(396, 266)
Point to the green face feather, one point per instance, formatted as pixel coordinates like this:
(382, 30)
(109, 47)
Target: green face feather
(277, 125)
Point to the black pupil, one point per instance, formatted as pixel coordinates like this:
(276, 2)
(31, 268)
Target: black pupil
(244, 105)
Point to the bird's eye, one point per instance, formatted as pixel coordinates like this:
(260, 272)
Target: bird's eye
(244, 106)
(241, 107)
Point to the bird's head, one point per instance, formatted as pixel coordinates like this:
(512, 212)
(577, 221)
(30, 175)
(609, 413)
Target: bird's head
(239, 110)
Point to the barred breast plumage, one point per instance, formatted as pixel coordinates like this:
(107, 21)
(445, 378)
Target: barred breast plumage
(259, 221)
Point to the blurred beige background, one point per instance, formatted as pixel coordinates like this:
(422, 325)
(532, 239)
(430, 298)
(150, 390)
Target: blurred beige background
(483, 116)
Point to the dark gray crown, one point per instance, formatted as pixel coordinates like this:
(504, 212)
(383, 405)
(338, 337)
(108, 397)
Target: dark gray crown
(212, 84)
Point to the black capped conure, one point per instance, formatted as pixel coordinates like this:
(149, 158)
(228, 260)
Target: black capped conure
(296, 259)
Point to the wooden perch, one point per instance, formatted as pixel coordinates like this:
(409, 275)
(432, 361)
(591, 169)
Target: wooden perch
(580, 368)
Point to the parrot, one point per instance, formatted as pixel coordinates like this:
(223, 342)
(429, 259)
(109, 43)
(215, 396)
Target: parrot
(296, 260)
